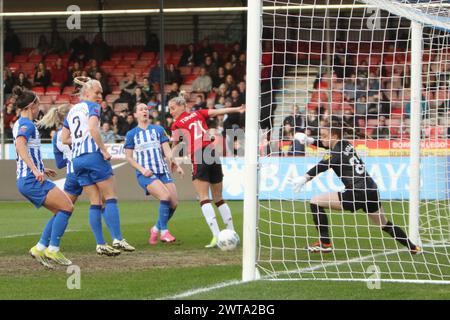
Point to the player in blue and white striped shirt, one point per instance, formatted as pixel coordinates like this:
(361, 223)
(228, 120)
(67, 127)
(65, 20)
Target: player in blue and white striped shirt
(54, 118)
(32, 183)
(145, 148)
(91, 158)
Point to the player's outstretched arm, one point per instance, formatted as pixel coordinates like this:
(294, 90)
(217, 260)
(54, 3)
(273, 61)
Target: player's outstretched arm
(217, 112)
(135, 165)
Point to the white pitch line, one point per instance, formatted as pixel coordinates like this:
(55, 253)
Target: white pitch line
(202, 290)
(29, 234)
(235, 282)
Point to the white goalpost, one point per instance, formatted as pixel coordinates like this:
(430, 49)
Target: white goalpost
(382, 67)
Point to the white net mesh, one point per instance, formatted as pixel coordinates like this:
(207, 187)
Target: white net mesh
(351, 60)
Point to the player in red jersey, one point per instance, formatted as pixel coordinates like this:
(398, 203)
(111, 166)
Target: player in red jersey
(206, 168)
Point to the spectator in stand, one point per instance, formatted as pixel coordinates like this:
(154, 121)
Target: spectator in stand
(236, 98)
(12, 42)
(100, 49)
(127, 87)
(22, 81)
(74, 71)
(210, 67)
(106, 112)
(218, 78)
(382, 130)
(59, 74)
(42, 77)
(173, 75)
(155, 74)
(105, 86)
(151, 42)
(242, 87)
(204, 51)
(153, 102)
(9, 117)
(174, 92)
(296, 120)
(147, 88)
(312, 122)
(137, 97)
(57, 44)
(239, 68)
(130, 122)
(119, 123)
(202, 83)
(221, 92)
(107, 134)
(374, 84)
(220, 103)
(350, 88)
(189, 56)
(361, 106)
(43, 47)
(93, 69)
(235, 52)
(81, 49)
(199, 103)
(8, 81)
(228, 68)
(217, 59)
(233, 120)
(231, 85)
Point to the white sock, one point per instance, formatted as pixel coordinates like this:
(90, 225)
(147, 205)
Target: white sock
(53, 248)
(210, 217)
(225, 212)
(40, 246)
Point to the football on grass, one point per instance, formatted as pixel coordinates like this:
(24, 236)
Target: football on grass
(227, 240)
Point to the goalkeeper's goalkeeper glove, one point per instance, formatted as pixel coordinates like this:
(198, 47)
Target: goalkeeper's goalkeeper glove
(297, 182)
(303, 138)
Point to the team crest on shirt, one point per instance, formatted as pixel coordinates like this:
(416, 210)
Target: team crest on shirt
(153, 136)
(23, 129)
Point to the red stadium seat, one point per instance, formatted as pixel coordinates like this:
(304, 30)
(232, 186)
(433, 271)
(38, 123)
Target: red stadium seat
(68, 90)
(53, 91)
(35, 58)
(149, 56)
(21, 58)
(46, 99)
(62, 98)
(39, 90)
(130, 56)
(14, 66)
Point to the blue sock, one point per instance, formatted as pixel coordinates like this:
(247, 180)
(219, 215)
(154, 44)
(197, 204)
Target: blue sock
(164, 211)
(59, 227)
(171, 212)
(47, 233)
(95, 220)
(112, 219)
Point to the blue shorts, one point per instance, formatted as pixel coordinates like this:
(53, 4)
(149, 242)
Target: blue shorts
(33, 190)
(71, 186)
(91, 168)
(145, 181)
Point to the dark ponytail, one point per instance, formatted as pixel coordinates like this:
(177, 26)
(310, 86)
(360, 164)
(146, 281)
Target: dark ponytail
(23, 97)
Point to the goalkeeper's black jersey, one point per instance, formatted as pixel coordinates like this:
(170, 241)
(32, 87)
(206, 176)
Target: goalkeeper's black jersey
(347, 165)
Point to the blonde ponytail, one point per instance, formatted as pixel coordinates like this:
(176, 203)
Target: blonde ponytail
(85, 83)
(54, 118)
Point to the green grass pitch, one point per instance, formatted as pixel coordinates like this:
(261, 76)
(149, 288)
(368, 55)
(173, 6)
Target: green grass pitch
(169, 270)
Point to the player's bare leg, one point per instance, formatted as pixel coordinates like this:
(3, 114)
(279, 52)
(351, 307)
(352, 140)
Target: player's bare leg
(223, 207)
(202, 189)
(379, 219)
(318, 205)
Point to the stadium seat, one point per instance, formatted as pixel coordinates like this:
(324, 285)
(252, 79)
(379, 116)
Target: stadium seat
(46, 99)
(148, 56)
(14, 66)
(35, 58)
(62, 98)
(39, 90)
(21, 58)
(53, 91)
(68, 90)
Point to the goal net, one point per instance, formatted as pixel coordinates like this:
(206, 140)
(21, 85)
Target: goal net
(383, 68)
